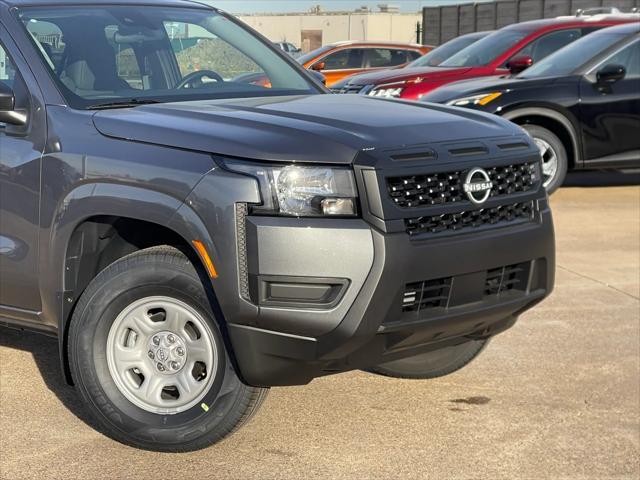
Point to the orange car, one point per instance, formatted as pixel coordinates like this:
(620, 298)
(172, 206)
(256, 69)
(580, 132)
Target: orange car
(341, 60)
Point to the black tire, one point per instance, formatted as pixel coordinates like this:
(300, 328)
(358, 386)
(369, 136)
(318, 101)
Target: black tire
(156, 271)
(436, 364)
(558, 148)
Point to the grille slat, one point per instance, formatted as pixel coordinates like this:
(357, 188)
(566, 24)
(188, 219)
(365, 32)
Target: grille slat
(454, 222)
(419, 191)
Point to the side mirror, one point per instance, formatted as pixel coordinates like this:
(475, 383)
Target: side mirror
(611, 73)
(320, 77)
(318, 67)
(8, 112)
(519, 64)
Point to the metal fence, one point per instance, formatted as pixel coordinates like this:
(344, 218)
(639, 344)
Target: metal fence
(441, 24)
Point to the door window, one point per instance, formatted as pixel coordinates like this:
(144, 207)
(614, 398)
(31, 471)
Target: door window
(385, 57)
(7, 68)
(629, 58)
(347, 59)
(550, 43)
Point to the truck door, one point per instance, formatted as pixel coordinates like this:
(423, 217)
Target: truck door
(20, 156)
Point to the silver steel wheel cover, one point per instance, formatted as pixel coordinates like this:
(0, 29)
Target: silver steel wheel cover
(162, 355)
(549, 160)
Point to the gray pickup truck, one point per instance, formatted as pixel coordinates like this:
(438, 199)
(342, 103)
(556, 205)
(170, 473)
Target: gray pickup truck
(193, 238)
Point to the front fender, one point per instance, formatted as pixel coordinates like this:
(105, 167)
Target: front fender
(104, 199)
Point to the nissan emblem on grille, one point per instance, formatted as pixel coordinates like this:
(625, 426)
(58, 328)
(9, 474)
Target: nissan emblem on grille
(478, 186)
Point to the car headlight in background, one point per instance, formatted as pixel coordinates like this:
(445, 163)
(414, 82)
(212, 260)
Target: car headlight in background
(387, 92)
(482, 100)
(302, 191)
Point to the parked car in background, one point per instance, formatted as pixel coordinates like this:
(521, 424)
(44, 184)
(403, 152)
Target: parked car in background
(432, 59)
(581, 105)
(447, 50)
(289, 48)
(509, 50)
(340, 60)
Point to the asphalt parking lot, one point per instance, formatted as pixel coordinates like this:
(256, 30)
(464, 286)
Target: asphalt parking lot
(558, 396)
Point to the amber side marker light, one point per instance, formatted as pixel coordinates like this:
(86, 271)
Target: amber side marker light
(202, 250)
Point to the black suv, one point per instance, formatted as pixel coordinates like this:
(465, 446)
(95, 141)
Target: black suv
(193, 239)
(581, 105)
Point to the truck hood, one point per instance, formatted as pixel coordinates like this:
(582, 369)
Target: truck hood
(402, 75)
(317, 128)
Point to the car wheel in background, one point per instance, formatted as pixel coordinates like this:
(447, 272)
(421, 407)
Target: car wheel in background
(438, 363)
(554, 156)
(149, 360)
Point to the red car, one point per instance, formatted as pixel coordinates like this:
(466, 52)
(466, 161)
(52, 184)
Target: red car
(509, 50)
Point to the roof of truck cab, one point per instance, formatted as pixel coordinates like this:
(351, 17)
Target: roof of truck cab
(82, 3)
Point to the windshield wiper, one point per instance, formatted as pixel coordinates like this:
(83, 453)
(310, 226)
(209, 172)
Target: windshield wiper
(130, 102)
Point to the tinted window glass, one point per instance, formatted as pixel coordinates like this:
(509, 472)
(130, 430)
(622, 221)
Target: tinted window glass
(443, 52)
(350, 58)
(485, 51)
(572, 57)
(629, 58)
(384, 57)
(104, 54)
(550, 43)
(413, 55)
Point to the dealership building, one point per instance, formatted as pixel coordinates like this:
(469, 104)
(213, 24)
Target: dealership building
(315, 28)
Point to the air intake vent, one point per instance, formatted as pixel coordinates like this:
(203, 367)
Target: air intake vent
(424, 295)
(513, 146)
(463, 152)
(501, 280)
(408, 157)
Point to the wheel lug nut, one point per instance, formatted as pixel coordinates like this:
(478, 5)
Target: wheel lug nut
(175, 365)
(180, 351)
(171, 339)
(161, 367)
(156, 340)
(151, 355)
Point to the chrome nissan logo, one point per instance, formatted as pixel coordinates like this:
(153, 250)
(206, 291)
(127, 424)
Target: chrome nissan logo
(478, 186)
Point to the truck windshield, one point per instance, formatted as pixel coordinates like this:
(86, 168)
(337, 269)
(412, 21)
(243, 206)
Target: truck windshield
(110, 56)
(485, 51)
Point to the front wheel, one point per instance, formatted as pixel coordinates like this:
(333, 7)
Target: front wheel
(554, 156)
(149, 360)
(436, 364)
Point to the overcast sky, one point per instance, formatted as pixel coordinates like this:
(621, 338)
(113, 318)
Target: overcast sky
(279, 6)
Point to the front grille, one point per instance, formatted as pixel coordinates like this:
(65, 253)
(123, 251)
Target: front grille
(349, 89)
(472, 219)
(419, 191)
(443, 294)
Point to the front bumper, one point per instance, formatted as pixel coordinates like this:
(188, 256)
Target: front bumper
(280, 345)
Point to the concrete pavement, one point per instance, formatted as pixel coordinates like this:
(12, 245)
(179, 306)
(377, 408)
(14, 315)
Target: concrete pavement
(558, 396)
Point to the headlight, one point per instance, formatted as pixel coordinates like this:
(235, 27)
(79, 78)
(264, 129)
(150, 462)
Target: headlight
(482, 100)
(387, 92)
(302, 191)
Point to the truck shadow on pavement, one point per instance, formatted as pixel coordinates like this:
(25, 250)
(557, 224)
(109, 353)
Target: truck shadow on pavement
(602, 178)
(45, 354)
